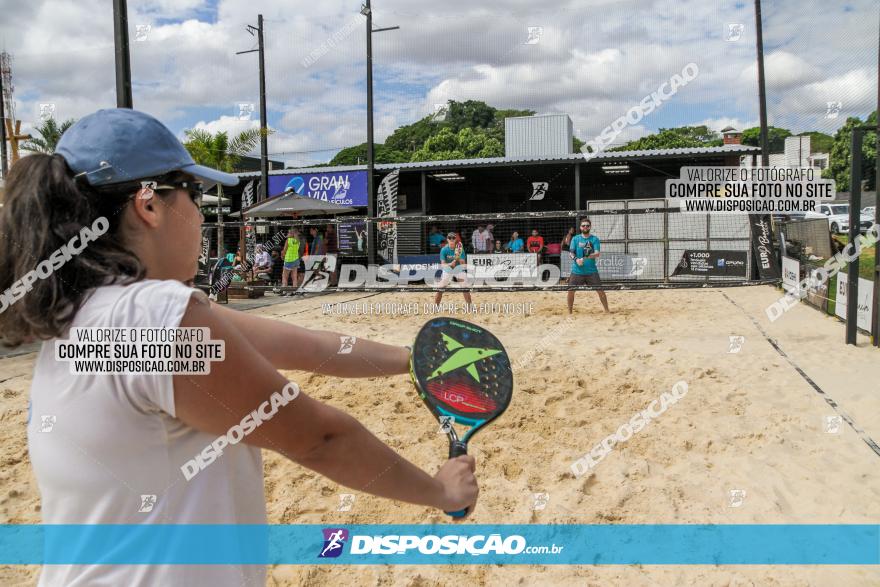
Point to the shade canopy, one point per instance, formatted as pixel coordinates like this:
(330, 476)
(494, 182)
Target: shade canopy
(290, 204)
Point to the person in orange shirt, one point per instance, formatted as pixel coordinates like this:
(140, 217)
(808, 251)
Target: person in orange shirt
(535, 243)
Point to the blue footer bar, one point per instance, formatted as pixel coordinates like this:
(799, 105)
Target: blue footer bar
(564, 544)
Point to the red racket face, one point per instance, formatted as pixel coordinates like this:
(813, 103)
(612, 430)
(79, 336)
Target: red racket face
(462, 395)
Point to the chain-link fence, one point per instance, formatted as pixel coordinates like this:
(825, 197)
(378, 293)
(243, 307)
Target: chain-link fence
(643, 244)
(806, 245)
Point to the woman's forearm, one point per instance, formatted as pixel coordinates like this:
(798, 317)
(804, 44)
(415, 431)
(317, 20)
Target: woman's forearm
(290, 347)
(355, 458)
(349, 356)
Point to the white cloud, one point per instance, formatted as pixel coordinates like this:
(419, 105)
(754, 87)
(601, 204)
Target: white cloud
(783, 71)
(593, 61)
(717, 124)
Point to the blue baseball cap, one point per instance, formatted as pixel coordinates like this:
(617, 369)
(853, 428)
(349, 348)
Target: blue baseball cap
(119, 145)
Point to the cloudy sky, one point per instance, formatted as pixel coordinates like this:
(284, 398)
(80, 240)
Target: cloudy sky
(591, 59)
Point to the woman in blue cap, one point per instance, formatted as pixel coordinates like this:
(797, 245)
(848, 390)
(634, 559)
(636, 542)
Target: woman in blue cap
(105, 233)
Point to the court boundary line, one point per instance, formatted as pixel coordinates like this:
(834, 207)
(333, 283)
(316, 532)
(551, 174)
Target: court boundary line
(822, 393)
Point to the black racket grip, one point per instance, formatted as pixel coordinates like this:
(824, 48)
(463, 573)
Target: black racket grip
(456, 449)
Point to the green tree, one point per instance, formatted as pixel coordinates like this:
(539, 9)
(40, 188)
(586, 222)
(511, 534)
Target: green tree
(411, 142)
(50, 133)
(819, 141)
(467, 143)
(218, 150)
(409, 138)
(469, 114)
(357, 155)
(675, 138)
(775, 138)
(839, 164)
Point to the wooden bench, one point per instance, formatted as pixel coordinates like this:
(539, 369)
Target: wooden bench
(241, 290)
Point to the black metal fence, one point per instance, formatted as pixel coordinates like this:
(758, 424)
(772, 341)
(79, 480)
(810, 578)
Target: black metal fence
(811, 244)
(644, 244)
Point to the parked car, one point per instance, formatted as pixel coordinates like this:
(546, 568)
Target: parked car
(789, 216)
(869, 210)
(838, 218)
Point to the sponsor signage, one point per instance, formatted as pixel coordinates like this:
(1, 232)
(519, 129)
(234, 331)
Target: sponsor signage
(762, 246)
(502, 264)
(346, 188)
(712, 263)
(352, 238)
(866, 296)
(611, 265)
(420, 266)
(204, 271)
(386, 207)
(791, 271)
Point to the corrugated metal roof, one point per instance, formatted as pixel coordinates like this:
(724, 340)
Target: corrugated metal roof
(502, 161)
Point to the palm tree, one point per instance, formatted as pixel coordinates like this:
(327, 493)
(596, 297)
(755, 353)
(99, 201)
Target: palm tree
(50, 133)
(217, 150)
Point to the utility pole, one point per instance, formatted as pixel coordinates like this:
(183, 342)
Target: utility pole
(875, 326)
(123, 57)
(3, 163)
(264, 128)
(855, 209)
(367, 11)
(762, 87)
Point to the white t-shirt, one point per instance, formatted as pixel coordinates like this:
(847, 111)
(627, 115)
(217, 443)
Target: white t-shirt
(115, 439)
(480, 240)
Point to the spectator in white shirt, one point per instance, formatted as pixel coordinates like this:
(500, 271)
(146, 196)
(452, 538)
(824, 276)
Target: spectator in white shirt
(480, 239)
(263, 263)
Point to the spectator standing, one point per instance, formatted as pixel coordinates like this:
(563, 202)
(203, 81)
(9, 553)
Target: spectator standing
(535, 243)
(516, 244)
(435, 239)
(316, 245)
(566, 240)
(481, 239)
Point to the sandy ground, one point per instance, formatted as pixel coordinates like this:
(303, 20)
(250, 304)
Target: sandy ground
(749, 422)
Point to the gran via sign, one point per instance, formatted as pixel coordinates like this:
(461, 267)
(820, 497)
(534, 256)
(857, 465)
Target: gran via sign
(346, 188)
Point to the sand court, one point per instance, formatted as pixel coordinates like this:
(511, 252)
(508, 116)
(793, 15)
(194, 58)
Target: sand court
(751, 442)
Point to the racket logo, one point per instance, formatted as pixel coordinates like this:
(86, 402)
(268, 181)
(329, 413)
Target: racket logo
(462, 356)
(334, 541)
(453, 397)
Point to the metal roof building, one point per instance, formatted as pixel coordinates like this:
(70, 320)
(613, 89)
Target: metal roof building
(501, 184)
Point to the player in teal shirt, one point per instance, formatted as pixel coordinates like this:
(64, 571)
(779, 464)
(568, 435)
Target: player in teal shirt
(584, 250)
(453, 259)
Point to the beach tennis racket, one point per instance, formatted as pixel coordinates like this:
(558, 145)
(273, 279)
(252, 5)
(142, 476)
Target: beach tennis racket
(463, 375)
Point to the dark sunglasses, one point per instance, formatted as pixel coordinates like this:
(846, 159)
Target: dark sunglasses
(195, 189)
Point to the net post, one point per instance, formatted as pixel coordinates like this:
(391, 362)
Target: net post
(855, 201)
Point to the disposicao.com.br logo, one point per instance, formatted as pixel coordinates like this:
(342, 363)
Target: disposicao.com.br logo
(430, 544)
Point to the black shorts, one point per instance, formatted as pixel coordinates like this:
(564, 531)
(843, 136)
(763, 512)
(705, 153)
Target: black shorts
(591, 279)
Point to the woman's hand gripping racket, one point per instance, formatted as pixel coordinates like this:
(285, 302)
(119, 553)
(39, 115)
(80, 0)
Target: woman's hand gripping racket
(459, 249)
(463, 375)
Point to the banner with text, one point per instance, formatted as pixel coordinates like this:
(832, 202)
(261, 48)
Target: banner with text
(865, 298)
(501, 265)
(346, 188)
(712, 263)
